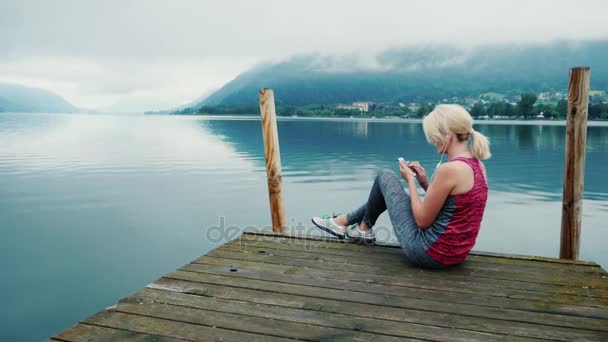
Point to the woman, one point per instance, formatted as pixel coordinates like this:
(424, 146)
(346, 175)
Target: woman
(441, 230)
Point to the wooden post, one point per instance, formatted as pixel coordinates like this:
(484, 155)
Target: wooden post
(574, 171)
(273, 159)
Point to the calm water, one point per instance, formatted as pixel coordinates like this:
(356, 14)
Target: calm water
(93, 208)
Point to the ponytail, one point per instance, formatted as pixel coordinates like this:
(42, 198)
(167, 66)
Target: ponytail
(480, 146)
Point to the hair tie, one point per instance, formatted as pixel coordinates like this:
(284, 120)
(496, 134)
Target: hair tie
(471, 131)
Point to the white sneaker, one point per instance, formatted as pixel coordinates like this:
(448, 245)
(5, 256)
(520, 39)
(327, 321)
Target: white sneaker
(358, 235)
(328, 224)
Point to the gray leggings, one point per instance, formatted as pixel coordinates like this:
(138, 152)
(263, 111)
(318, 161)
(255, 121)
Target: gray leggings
(388, 194)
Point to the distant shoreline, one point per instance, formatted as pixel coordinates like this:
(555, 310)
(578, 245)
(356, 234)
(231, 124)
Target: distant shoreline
(590, 123)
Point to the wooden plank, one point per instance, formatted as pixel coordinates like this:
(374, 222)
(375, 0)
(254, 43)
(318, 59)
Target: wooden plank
(375, 259)
(218, 318)
(381, 253)
(405, 268)
(385, 313)
(574, 169)
(86, 333)
(173, 328)
(303, 278)
(339, 245)
(493, 287)
(394, 248)
(313, 317)
(535, 258)
(500, 283)
(417, 287)
(400, 302)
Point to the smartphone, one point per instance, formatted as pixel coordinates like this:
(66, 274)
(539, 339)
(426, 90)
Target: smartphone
(406, 163)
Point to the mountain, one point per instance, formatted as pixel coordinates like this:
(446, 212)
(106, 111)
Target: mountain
(18, 98)
(415, 74)
(192, 104)
(196, 101)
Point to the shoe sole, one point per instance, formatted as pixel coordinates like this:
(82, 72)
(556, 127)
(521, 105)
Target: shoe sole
(327, 230)
(361, 240)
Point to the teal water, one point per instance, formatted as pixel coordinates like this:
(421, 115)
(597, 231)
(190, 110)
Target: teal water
(95, 207)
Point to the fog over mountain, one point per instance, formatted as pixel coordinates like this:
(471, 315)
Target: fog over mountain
(18, 98)
(151, 55)
(421, 73)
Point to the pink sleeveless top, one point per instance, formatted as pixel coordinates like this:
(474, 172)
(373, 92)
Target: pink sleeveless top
(455, 243)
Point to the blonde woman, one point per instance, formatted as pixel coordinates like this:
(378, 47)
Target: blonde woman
(441, 230)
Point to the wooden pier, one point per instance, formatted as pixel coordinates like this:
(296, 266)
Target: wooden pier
(269, 286)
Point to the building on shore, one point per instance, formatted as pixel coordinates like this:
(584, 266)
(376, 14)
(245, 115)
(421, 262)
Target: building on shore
(362, 106)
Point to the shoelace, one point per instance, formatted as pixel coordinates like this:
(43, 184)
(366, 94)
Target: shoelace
(364, 232)
(327, 217)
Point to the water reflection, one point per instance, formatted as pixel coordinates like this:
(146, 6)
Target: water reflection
(528, 158)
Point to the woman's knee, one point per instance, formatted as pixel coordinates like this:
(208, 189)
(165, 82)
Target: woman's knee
(385, 176)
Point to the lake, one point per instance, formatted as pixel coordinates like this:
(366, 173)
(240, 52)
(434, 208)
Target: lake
(94, 207)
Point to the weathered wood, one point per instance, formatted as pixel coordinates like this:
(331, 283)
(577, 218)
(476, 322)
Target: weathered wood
(374, 256)
(574, 169)
(404, 268)
(303, 277)
(173, 328)
(500, 286)
(356, 309)
(246, 322)
(430, 288)
(273, 159)
(399, 302)
(395, 248)
(85, 333)
(275, 287)
(594, 278)
(312, 317)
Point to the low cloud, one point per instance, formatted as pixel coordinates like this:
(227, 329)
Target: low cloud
(155, 53)
(121, 86)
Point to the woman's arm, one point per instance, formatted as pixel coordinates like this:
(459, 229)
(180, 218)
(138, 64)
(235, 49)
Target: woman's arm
(426, 211)
(421, 177)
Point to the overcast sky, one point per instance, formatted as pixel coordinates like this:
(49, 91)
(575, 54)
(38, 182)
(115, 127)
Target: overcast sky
(152, 54)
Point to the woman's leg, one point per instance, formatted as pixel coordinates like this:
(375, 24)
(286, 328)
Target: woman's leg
(355, 216)
(386, 192)
(399, 207)
(369, 210)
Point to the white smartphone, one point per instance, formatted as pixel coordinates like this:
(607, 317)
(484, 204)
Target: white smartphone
(406, 162)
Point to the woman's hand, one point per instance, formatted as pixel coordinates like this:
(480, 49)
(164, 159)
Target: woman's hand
(420, 174)
(406, 173)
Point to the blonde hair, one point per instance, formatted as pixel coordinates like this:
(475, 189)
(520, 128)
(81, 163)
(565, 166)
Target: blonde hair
(453, 118)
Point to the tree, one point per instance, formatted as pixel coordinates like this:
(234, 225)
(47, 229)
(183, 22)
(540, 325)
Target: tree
(547, 110)
(478, 110)
(501, 108)
(561, 109)
(596, 110)
(510, 110)
(423, 110)
(525, 106)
